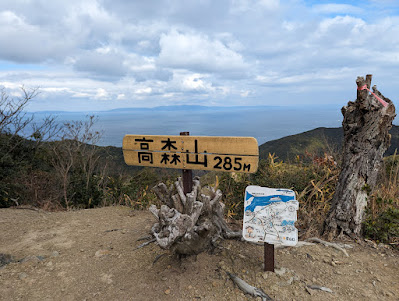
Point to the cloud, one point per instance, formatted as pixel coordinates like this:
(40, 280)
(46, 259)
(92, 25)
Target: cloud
(146, 90)
(101, 94)
(195, 82)
(328, 75)
(197, 52)
(270, 4)
(335, 8)
(24, 42)
(104, 62)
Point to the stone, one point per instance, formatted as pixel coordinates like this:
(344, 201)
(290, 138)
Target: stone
(5, 259)
(106, 278)
(167, 292)
(280, 271)
(22, 276)
(101, 253)
(30, 259)
(49, 264)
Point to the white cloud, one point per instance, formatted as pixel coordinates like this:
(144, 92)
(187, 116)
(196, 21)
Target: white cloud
(331, 75)
(121, 96)
(55, 89)
(335, 8)
(197, 52)
(243, 6)
(24, 42)
(270, 4)
(104, 62)
(195, 82)
(146, 90)
(101, 94)
(245, 93)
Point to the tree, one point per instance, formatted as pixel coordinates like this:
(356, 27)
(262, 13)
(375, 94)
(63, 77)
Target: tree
(13, 118)
(18, 147)
(75, 156)
(366, 124)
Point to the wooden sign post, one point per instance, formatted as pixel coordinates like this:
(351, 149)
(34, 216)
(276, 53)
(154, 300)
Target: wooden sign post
(268, 257)
(228, 154)
(187, 173)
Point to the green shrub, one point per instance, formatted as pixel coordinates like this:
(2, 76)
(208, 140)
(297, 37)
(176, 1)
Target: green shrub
(233, 188)
(383, 228)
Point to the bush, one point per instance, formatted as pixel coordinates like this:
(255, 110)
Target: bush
(384, 228)
(233, 188)
(134, 191)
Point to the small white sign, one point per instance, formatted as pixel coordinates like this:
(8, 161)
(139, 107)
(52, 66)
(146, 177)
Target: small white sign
(270, 215)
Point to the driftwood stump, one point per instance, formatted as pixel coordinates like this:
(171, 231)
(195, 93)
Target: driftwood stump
(366, 124)
(189, 223)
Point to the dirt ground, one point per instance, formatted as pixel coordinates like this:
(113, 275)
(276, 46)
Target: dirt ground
(92, 255)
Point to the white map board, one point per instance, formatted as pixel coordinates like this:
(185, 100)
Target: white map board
(270, 215)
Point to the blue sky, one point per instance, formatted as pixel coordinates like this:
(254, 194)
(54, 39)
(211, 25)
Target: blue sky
(90, 55)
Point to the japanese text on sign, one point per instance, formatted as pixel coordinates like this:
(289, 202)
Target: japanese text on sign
(235, 154)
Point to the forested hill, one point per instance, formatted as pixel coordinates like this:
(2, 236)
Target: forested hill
(314, 142)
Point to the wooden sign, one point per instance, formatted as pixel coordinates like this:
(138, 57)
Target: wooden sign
(232, 154)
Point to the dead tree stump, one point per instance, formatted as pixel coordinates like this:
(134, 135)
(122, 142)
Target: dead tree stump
(189, 223)
(366, 124)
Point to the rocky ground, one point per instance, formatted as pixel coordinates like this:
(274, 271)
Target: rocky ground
(92, 255)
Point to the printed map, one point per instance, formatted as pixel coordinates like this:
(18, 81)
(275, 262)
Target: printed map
(270, 215)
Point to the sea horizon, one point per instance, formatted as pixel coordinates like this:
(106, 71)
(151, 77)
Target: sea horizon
(265, 123)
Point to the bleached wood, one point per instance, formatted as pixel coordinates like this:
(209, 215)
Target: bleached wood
(366, 124)
(192, 226)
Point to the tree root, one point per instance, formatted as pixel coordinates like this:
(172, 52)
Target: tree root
(249, 289)
(299, 244)
(157, 258)
(328, 244)
(148, 237)
(320, 288)
(146, 243)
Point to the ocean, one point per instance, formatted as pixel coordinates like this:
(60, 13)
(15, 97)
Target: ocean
(263, 123)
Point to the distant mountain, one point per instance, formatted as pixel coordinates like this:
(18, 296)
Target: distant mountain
(193, 108)
(315, 142)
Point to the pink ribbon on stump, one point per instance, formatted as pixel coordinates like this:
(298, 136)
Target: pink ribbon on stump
(383, 102)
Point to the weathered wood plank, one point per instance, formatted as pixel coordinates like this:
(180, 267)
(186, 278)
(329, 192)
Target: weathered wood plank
(193, 144)
(229, 163)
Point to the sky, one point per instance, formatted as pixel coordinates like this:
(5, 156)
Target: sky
(93, 55)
